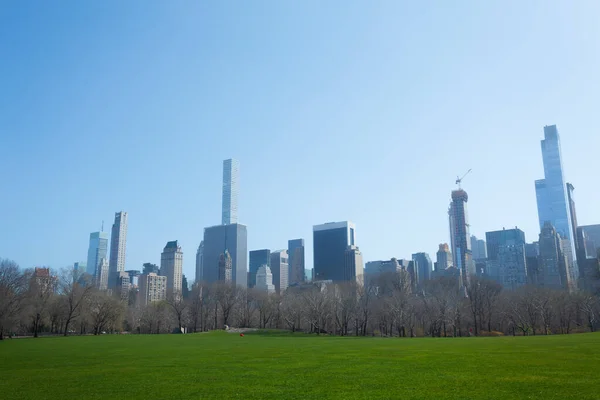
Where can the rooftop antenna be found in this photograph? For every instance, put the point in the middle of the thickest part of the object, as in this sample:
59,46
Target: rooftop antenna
459,180
102,229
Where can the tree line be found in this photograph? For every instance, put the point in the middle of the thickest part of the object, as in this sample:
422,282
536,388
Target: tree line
387,305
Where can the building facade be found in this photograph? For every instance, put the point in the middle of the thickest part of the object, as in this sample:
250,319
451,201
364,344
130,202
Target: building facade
443,258
330,241
229,211
199,260
296,261
551,191
171,266
552,268
97,251
353,265
264,279
118,244
503,237
506,257
258,258
280,270
225,267
590,235
460,237
152,287
102,275
217,239
423,267
478,248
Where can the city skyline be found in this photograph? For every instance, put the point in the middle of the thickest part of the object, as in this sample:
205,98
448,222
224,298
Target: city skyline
312,100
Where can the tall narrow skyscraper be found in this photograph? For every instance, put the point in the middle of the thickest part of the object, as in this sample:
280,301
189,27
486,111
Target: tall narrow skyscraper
330,241
296,261
118,242
231,170
459,235
423,267
199,261
97,251
280,270
551,191
171,266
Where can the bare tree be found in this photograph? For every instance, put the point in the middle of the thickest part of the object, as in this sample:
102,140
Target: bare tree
318,308
105,312
590,306
178,307
13,288
227,298
39,294
76,289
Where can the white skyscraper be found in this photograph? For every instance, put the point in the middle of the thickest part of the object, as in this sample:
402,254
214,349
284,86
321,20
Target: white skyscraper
264,279
118,241
231,169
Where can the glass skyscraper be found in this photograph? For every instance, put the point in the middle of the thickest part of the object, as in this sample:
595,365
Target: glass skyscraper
551,191
229,212
258,258
460,238
296,261
218,240
97,251
330,243
118,242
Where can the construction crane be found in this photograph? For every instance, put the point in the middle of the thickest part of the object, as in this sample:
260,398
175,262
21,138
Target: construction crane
459,180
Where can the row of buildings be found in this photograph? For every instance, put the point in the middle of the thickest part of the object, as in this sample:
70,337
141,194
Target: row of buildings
563,256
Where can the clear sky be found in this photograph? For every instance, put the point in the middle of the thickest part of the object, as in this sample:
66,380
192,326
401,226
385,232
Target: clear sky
339,110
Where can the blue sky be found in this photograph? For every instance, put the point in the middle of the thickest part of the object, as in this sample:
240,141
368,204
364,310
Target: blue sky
353,110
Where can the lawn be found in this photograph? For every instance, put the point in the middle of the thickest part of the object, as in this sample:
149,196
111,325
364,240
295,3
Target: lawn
219,365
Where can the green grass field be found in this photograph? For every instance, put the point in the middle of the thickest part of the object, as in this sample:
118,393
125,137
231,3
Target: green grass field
219,365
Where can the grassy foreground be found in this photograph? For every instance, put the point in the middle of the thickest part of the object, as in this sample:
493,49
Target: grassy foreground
219,365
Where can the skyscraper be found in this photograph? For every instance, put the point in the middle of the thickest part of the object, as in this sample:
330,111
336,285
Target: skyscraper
102,274
118,241
459,235
234,239
171,266
96,251
231,170
280,270
258,258
495,239
590,235
330,241
296,257
353,265
423,266
199,260
506,255
152,288
478,248
552,268
551,191
443,258
264,280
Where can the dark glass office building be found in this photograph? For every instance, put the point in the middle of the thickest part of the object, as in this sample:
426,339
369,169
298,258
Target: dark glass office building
330,243
257,259
296,261
504,237
218,239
